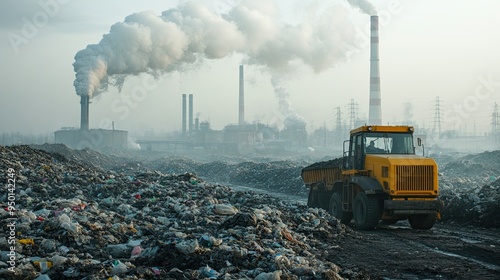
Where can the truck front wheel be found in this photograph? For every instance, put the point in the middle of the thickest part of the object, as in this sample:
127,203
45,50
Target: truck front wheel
422,221
366,211
336,209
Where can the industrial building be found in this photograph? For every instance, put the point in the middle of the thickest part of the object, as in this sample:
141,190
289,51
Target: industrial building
91,138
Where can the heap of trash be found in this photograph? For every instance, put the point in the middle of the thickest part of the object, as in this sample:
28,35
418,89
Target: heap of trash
282,176
72,220
470,190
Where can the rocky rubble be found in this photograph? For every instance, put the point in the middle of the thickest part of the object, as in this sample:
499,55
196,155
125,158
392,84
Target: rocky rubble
77,221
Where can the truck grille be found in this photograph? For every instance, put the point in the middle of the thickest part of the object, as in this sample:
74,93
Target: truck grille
414,178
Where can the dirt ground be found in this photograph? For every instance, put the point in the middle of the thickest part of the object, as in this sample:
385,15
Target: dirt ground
399,252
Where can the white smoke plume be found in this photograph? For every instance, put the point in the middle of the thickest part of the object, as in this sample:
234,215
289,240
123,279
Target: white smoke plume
364,6
182,37
291,119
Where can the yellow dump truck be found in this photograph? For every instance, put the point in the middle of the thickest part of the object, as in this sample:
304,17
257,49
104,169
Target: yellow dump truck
379,178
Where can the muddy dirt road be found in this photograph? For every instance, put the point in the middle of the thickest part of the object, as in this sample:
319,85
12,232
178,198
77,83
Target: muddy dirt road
398,252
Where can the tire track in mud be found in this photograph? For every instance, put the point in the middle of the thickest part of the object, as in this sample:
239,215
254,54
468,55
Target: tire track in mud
478,250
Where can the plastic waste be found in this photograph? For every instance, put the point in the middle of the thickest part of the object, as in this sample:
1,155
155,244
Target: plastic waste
205,241
187,246
136,251
71,272
26,241
156,271
224,209
58,260
43,277
276,275
209,272
43,265
118,267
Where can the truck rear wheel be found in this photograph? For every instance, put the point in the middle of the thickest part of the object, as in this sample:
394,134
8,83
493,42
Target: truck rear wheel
366,211
422,221
336,209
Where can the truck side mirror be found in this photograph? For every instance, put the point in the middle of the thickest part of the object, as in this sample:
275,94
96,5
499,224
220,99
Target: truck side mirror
419,143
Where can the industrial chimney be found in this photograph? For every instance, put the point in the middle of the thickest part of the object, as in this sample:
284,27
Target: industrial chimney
241,116
190,113
375,111
183,114
84,121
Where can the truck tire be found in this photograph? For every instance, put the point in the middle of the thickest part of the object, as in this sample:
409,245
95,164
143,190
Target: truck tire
366,211
422,221
335,209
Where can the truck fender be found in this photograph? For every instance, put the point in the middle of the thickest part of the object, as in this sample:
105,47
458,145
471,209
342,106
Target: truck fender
337,187
369,185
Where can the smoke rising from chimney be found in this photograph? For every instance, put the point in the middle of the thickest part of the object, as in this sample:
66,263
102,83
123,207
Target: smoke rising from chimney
364,6
182,37
291,119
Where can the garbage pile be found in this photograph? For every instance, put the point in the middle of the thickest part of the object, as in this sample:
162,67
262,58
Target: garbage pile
276,176
470,190
76,221
337,162
87,156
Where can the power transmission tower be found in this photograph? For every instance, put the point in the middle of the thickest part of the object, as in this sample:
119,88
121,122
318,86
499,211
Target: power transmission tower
338,119
437,118
353,113
339,132
495,125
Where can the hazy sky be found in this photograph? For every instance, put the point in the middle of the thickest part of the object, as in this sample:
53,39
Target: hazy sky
428,49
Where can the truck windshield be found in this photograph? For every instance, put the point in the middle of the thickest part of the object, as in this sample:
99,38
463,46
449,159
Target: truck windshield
388,143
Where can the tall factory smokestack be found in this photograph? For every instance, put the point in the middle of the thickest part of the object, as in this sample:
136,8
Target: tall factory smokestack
190,113
84,121
183,114
241,117
375,112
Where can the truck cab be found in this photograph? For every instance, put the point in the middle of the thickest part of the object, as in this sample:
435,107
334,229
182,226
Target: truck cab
377,140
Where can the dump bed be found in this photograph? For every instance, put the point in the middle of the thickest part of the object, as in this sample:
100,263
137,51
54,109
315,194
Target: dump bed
327,172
